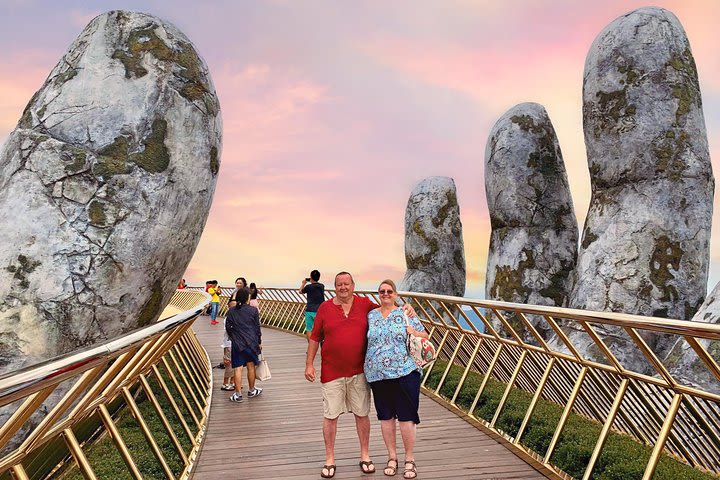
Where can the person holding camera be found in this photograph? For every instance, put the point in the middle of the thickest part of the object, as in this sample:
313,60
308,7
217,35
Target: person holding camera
315,292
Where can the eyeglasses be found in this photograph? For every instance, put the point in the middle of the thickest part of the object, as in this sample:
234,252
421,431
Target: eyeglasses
386,292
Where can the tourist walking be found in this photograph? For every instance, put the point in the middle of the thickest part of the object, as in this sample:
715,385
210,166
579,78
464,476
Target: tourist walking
315,292
393,376
243,327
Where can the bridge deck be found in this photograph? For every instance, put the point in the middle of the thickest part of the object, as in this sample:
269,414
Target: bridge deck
279,434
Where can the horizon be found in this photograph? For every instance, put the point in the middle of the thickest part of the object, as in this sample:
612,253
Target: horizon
333,113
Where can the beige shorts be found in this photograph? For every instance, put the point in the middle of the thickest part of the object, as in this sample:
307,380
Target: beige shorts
229,371
346,394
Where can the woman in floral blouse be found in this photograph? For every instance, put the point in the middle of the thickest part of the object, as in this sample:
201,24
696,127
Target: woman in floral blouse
393,376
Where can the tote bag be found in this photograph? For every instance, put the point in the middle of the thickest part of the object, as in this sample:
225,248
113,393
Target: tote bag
262,371
421,350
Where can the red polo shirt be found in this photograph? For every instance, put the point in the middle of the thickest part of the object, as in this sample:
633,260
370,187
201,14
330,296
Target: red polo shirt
344,338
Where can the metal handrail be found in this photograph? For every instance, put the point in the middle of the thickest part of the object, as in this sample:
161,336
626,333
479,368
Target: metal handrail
106,379
655,409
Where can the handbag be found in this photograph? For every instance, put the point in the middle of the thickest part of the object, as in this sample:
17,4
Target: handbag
262,370
421,350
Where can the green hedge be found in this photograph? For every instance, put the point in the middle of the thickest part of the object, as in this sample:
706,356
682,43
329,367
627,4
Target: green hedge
622,458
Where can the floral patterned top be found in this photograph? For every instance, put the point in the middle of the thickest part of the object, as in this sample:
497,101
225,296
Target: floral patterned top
387,355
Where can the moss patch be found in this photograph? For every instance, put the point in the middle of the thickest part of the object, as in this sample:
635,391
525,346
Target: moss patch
445,209
687,91
214,161
96,213
112,160
153,306
509,282
155,157
613,106
666,254
74,159
194,84
668,150
417,262
22,268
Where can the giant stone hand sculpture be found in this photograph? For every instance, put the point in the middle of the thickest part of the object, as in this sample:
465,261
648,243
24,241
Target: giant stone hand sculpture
105,187
645,246
434,250
533,244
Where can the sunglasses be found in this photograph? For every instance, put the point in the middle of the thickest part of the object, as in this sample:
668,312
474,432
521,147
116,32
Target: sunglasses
386,292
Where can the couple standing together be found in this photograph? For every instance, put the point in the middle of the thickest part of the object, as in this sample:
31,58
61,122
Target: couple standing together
364,342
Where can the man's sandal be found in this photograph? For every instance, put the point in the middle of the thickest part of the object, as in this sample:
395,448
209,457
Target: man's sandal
410,472
393,470
330,469
367,466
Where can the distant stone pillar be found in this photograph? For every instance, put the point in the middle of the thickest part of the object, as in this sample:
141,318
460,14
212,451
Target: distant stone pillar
533,244
645,245
434,250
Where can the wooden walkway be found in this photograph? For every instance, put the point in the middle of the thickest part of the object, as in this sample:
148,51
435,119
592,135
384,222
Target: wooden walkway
279,434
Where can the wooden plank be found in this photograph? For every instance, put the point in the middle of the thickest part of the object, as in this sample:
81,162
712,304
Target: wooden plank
279,433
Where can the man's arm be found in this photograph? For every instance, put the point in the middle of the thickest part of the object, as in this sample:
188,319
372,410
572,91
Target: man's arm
309,361
302,286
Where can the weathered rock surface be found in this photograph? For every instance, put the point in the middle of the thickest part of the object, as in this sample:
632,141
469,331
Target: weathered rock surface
682,361
105,187
434,250
645,245
533,244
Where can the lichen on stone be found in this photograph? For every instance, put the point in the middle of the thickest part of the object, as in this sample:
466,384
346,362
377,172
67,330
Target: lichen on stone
190,72
214,162
450,204
96,213
153,306
155,157
666,254
24,266
417,262
112,160
508,282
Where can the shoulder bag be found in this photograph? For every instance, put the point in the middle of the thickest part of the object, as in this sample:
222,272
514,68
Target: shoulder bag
421,350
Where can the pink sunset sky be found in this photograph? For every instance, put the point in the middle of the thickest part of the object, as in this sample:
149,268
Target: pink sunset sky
334,111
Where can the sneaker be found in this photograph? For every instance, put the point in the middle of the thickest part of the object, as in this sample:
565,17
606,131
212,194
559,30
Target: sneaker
214,322
255,392
236,397
228,387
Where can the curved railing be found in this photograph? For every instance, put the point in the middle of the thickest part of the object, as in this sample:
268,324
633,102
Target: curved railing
489,373
64,406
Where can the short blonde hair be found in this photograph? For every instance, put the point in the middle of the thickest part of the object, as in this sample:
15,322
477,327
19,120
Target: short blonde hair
387,281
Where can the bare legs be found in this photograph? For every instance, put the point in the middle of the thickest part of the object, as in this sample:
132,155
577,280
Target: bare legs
407,432
251,375
362,424
238,379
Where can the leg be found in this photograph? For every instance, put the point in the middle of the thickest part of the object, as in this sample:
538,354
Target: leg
329,434
251,375
407,431
362,424
389,434
238,379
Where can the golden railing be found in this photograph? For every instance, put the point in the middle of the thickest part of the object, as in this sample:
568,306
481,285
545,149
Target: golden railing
63,406
656,410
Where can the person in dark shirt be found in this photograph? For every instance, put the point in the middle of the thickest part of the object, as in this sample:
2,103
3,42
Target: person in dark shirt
242,325
315,292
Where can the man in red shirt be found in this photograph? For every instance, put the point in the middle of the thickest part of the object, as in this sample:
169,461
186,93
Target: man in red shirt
341,324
